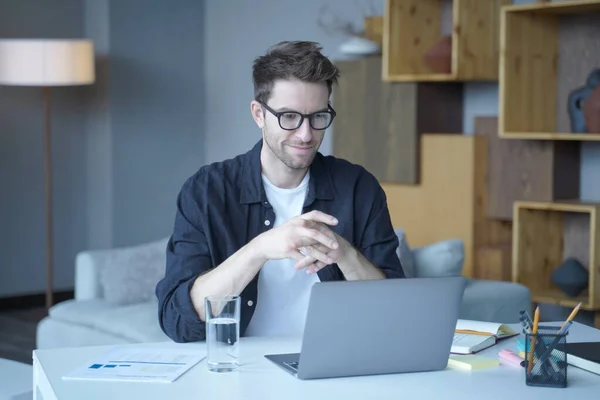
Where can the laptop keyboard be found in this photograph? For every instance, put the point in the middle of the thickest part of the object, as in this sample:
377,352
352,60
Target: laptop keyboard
292,364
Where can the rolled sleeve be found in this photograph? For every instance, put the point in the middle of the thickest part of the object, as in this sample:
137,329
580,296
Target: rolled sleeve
188,256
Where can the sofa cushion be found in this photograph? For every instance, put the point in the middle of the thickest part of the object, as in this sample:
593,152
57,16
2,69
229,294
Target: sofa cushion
439,259
136,322
497,301
131,273
405,254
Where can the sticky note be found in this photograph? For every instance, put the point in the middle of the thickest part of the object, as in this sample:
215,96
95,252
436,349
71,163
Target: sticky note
472,362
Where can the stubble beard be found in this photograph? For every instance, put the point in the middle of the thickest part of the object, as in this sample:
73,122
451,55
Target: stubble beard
287,159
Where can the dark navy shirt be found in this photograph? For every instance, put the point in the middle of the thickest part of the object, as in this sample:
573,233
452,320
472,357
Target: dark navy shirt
223,206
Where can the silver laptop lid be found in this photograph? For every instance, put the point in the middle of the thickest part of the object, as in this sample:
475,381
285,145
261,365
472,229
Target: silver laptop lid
380,326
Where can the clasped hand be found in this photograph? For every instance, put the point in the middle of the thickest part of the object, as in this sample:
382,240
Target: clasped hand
307,239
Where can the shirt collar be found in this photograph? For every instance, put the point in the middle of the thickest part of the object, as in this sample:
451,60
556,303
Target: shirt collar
252,190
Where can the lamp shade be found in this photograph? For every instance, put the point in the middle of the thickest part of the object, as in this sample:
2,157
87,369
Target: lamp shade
46,62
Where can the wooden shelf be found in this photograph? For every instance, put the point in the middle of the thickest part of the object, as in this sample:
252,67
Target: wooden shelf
557,7
412,27
550,136
545,53
544,235
558,298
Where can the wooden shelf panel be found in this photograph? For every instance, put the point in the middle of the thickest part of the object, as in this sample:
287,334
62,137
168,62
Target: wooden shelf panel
557,7
412,27
379,124
527,170
562,206
421,78
450,199
547,50
550,136
554,296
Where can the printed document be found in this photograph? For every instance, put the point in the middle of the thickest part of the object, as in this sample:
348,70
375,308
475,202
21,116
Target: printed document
138,365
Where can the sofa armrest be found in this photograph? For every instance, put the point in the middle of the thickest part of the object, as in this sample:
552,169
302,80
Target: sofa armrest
88,266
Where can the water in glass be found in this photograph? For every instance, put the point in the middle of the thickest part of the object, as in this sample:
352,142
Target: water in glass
222,343
222,333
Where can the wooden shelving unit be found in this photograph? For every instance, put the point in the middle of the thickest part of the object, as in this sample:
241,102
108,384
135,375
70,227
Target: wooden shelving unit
531,90
412,27
541,243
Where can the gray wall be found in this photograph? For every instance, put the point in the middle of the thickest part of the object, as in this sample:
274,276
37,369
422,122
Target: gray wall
22,226
156,108
122,147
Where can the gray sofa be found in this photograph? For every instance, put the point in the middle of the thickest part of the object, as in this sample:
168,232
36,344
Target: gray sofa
114,294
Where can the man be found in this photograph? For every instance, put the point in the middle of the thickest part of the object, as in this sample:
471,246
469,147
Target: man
270,223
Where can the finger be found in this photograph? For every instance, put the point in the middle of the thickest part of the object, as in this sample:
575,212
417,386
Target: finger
316,255
315,267
319,216
311,264
314,236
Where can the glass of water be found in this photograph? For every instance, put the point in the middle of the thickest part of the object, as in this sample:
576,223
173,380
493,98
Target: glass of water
222,332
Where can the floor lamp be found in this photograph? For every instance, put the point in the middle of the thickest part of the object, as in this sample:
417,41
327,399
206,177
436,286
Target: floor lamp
46,63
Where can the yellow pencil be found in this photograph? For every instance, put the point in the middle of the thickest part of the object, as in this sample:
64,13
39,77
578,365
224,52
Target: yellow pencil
571,316
536,320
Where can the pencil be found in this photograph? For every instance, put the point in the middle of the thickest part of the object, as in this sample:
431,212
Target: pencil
536,320
571,316
473,332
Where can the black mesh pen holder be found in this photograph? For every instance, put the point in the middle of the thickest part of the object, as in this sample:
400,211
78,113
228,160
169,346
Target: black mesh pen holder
546,365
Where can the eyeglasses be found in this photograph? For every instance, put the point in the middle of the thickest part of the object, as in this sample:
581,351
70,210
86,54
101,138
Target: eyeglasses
291,120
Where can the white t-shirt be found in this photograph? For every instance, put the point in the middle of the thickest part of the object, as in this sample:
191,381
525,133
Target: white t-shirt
283,291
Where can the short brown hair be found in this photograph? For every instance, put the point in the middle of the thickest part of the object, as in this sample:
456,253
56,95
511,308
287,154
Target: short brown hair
301,60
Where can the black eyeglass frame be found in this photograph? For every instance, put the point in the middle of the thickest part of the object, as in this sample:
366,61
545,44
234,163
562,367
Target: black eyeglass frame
278,114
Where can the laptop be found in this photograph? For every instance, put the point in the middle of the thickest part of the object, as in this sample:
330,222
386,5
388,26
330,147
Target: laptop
370,327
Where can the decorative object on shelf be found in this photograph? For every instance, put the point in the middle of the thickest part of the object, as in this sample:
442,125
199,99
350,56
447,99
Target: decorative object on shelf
46,63
591,110
571,277
359,46
584,105
439,57
361,42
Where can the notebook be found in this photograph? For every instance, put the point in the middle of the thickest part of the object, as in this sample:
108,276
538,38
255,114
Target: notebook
500,331
474,336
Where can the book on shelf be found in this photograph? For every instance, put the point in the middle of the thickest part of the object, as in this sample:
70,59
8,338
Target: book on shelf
474,336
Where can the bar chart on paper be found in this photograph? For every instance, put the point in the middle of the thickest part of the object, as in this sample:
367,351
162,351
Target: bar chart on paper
138,365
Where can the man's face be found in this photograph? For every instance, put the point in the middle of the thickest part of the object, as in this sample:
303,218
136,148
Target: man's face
294,148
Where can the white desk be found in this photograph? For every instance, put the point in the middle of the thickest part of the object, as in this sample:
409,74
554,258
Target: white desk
258,378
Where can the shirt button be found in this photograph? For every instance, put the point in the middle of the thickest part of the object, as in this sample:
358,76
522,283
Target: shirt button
267,222
250,303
